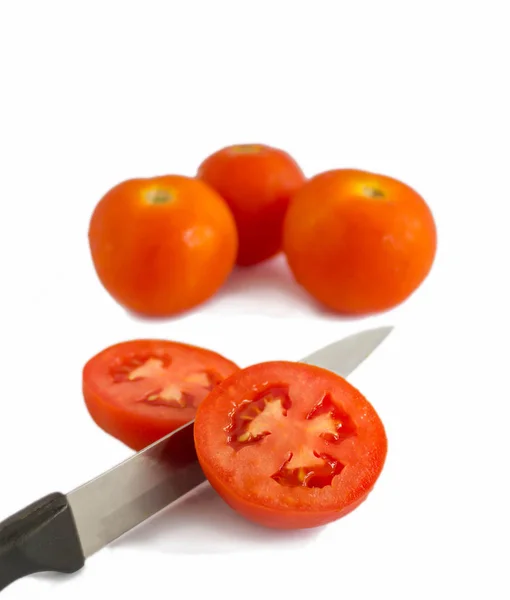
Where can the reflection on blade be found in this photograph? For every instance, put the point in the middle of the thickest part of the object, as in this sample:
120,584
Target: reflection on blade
115,502
344,356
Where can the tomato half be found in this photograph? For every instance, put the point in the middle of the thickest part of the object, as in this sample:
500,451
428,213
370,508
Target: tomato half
257,182
139,391
289,445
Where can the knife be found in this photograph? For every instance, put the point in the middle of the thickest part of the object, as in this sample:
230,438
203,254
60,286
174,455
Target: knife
58,532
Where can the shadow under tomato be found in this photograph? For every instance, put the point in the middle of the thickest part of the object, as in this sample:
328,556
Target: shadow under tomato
268,289
201,523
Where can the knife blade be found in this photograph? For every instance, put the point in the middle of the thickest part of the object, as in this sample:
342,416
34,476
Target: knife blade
58,532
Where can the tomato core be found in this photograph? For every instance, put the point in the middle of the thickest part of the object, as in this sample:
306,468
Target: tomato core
301,441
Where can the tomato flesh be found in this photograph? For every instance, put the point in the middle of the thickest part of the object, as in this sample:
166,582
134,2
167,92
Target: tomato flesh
309,465
289,445
167,384
139,391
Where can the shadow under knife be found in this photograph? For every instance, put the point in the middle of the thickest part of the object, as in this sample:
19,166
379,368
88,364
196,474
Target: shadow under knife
202,523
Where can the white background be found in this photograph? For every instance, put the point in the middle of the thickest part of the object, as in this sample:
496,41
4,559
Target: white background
92,93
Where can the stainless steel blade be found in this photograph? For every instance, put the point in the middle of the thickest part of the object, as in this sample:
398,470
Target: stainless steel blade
123,497
344,356
135,490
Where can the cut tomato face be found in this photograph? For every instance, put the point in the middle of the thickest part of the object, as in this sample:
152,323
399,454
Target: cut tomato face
289,445
141,390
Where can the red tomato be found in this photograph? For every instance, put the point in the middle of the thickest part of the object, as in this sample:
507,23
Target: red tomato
141,390
162,245
360,243
257,182
289,445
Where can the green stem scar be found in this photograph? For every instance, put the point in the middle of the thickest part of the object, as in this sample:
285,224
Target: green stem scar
159,196
246,149
372,192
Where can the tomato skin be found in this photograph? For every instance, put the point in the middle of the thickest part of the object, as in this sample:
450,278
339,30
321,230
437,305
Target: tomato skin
241,478
359,242
162,245
114,408
268,517
257,181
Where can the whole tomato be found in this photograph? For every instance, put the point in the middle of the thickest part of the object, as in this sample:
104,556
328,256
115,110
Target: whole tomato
359,242
162,245
257,182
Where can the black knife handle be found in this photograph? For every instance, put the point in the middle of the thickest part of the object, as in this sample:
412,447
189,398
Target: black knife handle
41,537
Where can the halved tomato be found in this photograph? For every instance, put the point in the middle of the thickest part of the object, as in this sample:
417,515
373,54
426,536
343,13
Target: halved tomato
289,445
139,391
